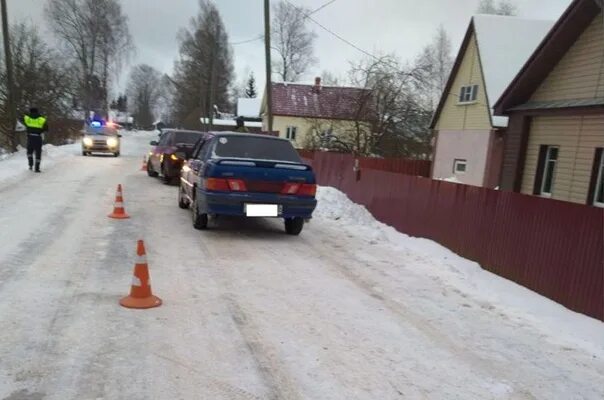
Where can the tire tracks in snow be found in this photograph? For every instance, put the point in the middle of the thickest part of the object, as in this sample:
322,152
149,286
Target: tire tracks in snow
273,371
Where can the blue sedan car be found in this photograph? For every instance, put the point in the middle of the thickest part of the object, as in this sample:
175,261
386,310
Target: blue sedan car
240,174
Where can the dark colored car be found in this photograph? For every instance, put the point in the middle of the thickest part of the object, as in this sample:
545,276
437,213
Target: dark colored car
249,176
170,152
101,139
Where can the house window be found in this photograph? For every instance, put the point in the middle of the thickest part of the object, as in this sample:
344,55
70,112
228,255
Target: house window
468,94
291,133
460,166
546,170
598,185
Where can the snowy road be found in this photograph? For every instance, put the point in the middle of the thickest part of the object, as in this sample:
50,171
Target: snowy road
349,310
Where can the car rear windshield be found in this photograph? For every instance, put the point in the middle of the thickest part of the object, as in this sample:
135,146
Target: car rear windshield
255,148
186,137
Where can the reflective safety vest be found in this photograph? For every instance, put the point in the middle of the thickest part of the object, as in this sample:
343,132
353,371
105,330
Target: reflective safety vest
35,123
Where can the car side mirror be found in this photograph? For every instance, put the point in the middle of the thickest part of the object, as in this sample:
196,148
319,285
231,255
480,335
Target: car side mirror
181,155
154,143
118,135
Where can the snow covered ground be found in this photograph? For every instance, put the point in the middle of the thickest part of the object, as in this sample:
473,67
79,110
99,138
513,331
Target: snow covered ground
351,309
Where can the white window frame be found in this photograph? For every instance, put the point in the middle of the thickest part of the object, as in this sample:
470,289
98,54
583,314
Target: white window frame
599,183
468,94
457,162
546,163
288,133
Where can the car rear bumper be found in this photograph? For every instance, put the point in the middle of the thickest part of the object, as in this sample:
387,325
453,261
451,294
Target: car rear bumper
214,203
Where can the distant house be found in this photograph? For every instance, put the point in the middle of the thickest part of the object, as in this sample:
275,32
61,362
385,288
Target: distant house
469,145
555,141
303,113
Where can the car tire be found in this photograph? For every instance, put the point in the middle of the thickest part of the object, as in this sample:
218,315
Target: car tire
200,221
182,202
84,153
293,226
116,154
164,176
150,171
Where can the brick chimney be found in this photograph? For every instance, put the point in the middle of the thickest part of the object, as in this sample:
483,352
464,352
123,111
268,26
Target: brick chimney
317,87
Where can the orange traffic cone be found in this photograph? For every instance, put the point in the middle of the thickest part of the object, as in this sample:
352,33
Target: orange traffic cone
118,207
144,166
140,291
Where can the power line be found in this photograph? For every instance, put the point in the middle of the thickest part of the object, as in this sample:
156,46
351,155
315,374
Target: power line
332,32
261,36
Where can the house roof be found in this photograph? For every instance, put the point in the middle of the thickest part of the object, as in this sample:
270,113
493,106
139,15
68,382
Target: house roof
330,102
578,16
249,107
504,45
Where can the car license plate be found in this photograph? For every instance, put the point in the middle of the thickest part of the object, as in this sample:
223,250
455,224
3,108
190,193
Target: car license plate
261,210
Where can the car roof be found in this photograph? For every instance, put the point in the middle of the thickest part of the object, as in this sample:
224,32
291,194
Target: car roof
183,131
243,134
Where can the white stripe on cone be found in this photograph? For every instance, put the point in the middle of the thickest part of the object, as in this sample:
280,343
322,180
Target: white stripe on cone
141,259
119,204
136,281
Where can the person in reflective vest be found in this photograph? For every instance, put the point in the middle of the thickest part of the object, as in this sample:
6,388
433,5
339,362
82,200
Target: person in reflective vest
36,125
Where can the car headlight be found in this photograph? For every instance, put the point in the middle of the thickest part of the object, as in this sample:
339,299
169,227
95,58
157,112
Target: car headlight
87,141
112,142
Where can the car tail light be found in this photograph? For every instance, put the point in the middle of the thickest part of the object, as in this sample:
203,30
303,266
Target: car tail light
300,189
237,185
308,190
290,188
219,185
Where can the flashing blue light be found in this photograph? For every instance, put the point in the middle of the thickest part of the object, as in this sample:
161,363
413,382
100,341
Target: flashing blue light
96,124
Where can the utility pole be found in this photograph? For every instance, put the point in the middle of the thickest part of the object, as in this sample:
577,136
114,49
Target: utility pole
267,49
10,106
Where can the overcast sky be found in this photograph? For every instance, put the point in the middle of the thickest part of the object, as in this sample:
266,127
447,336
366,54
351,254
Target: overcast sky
403,27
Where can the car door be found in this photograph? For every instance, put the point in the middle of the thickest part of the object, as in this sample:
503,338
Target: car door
197,164
160,150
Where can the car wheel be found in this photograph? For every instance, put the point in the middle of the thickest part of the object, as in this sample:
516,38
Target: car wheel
293,226
116,154
200,221
182,202
84,153
164,176
150,171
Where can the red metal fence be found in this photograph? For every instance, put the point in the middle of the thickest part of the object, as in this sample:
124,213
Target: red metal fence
398,165
554,248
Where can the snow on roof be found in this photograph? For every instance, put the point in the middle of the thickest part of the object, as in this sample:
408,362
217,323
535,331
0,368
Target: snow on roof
505,44
249,107
230,122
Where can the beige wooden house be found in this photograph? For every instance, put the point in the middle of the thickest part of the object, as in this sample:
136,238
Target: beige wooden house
555,139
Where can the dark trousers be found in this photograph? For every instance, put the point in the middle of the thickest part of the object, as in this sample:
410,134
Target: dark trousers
34,146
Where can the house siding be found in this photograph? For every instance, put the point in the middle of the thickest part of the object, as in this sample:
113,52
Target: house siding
577,137
474,116
305,127
580,73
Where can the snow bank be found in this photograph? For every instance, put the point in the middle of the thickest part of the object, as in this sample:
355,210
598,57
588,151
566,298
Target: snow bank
560,324
13,166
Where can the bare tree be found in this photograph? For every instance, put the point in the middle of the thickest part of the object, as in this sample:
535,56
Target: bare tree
95,35
292,40
388,116
144,91
204,71
503,7
41,80
435,63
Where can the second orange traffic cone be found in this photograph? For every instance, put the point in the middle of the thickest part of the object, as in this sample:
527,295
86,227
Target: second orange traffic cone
118,207
144,166
140,291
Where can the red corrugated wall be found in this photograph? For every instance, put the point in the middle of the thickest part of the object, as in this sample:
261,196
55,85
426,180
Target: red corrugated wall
554,248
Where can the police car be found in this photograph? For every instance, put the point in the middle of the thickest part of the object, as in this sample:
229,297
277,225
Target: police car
101,137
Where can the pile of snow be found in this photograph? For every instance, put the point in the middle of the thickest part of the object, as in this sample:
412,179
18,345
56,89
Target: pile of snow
560,324
14,165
